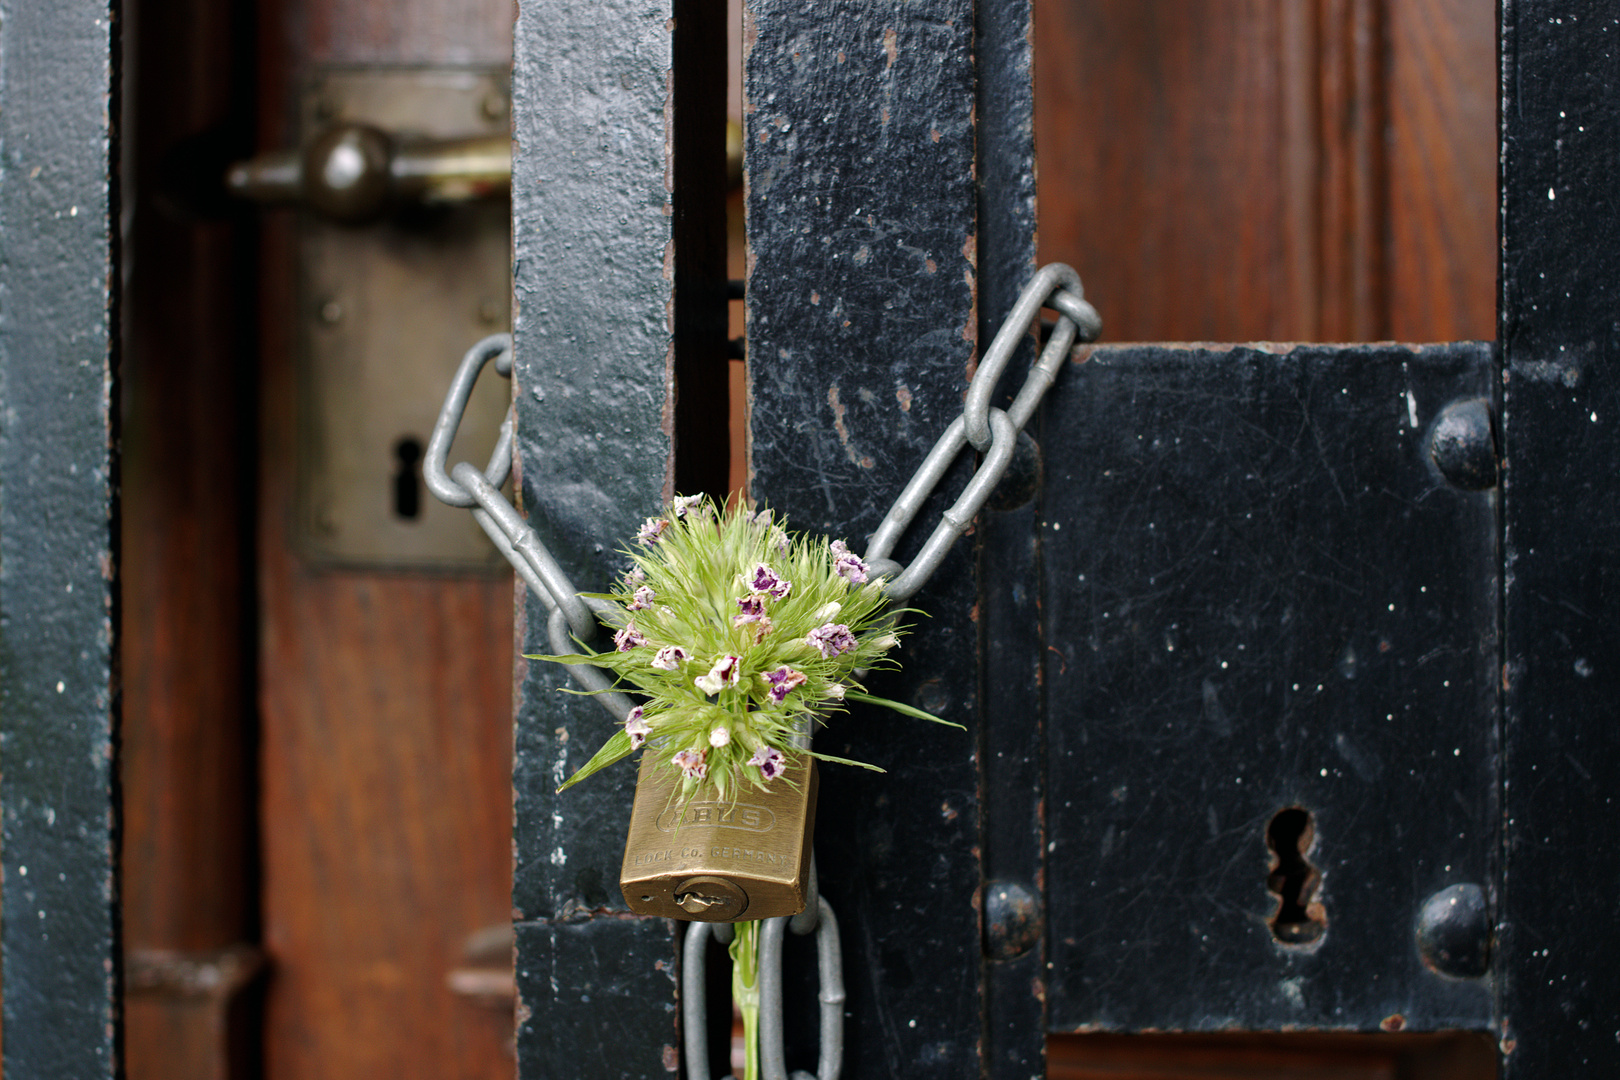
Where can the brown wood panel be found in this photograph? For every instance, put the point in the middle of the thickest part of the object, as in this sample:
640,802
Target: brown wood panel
187,658
1176,143
386,698
1442,170
1272,1056
1271,169
189,887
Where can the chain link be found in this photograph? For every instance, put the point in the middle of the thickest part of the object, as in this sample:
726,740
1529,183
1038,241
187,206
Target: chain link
817,918
988,430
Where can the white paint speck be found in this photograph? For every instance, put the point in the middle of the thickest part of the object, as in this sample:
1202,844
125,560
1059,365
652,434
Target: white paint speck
1056,526
60,686
73,211
1324,772
23,870
1551,194
1594,418
1411,409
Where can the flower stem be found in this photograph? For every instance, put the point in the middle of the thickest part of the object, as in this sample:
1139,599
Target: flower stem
745,990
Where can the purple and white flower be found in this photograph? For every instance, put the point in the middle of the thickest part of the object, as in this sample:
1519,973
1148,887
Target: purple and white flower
642,599
651,530
724,673
636,727
628,637
682,505
769,582
669,658
753,609
831,638
847,564
692,764
783,681
835,691
762,628
635,576
720,736
770,760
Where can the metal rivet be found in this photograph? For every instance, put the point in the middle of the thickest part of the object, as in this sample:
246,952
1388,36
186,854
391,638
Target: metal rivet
1012,919
331,312
495,106
1454,932
1463,446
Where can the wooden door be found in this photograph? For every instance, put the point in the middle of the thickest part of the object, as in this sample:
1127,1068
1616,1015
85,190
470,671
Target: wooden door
1217,172
384,697
317,767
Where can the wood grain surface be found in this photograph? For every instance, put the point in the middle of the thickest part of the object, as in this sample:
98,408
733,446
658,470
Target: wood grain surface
1269,169
386,699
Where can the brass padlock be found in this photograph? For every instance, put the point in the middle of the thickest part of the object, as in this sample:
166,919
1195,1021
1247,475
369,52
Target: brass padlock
720,861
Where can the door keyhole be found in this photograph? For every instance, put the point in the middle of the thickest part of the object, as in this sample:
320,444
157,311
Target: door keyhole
408,479
1300,917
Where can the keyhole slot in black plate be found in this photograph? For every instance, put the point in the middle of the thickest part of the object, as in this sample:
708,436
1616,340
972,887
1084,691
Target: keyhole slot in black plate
1300,917
408,478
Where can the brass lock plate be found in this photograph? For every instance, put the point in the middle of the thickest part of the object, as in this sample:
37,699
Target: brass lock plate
385,312
720,861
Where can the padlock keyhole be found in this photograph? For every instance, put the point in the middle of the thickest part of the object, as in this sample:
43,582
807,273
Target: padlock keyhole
1300,917
408,478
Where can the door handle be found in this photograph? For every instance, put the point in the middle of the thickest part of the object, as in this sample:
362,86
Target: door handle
357,173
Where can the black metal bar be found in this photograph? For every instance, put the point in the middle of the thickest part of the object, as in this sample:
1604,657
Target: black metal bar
58,561
862,322
1012,756
593,221
1270,621
1560,987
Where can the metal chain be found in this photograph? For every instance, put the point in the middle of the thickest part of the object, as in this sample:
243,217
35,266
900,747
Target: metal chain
817,918
991,431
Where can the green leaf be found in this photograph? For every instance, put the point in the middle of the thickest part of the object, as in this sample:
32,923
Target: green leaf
616,749
900,707
594,660
843,761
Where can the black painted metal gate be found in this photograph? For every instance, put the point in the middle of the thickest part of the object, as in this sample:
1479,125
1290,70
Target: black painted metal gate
1276,701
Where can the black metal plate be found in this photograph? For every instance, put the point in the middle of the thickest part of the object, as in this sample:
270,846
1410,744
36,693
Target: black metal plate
1560,295
1259,593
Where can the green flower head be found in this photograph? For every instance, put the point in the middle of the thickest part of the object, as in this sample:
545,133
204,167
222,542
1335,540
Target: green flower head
740,637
